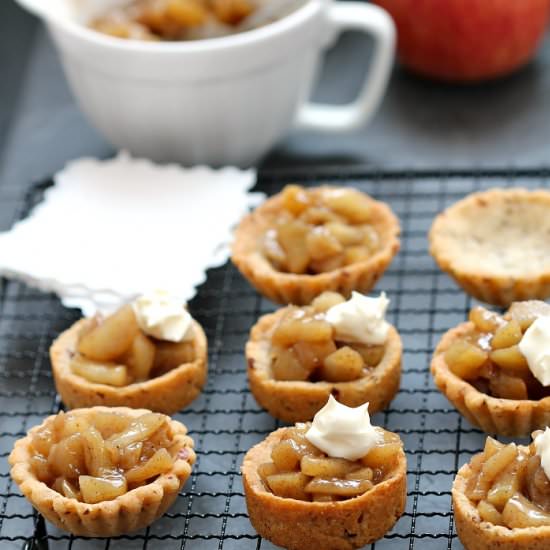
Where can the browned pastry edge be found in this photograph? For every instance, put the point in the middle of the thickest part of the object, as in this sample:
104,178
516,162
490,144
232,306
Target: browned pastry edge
298,401
132,511
492,414
493,289
290,288
300,525
168,393
476,534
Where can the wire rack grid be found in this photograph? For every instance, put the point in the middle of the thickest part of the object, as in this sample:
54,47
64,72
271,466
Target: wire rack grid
225,421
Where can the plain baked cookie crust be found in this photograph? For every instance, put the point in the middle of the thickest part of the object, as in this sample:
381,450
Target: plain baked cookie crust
476,534
508,417
300,525
298,401
129,512
168,393
290,288
496,244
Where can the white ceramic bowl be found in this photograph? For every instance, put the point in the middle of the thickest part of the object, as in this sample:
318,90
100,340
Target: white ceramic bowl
217,101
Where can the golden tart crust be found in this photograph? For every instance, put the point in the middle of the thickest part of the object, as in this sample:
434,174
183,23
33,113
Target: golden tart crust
129,512
301,525
476,534
290,288
168,393
298,401
508,417
495,244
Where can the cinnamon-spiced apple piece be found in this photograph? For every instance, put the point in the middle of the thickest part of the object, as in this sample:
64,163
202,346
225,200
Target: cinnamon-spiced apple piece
150,353
304,241
338,483
298,356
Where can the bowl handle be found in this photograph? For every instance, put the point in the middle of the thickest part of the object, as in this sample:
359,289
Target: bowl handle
376,22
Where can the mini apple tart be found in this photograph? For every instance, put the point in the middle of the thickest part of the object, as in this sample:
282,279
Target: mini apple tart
338,483
147,354
496,369
495,244
298,356
302,242
501,499
103,472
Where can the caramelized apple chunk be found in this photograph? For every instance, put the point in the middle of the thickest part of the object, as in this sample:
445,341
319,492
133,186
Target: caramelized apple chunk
111,337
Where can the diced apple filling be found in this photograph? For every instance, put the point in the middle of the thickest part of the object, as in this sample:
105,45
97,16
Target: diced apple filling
321,230
114,351
301,471
508,486
489,357
304,346
101,455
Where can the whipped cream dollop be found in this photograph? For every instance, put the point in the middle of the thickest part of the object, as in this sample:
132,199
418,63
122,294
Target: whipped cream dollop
535,347
361,319
343,432
163,316
542,447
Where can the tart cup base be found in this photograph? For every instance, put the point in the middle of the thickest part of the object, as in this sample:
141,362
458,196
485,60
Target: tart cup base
482,271
299,525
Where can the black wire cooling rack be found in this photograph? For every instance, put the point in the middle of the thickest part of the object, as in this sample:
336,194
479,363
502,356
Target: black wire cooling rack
210,512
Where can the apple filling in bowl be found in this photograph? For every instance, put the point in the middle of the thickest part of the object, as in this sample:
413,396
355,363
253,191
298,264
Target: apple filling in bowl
303,346
170,19
509,486
301,471
116,352
488,357
98,455
321,230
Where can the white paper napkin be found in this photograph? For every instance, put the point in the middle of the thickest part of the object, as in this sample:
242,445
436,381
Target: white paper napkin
110,230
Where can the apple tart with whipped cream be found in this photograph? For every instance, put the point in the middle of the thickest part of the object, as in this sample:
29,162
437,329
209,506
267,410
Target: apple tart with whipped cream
150,354
337,483
496,369
298,356
501,498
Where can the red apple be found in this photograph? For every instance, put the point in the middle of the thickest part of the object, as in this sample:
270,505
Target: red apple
467,40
